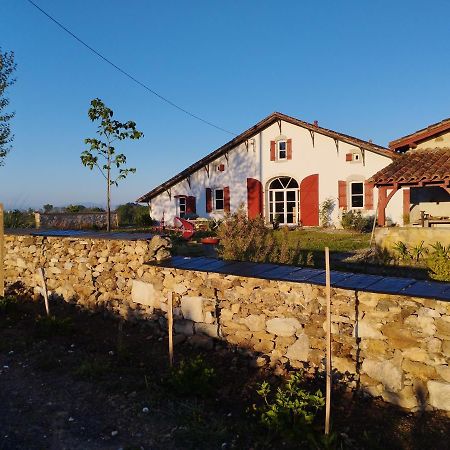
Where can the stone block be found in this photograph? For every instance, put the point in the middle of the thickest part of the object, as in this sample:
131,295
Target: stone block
207,329
143,293
255,323
439,395
367,330
286,326
184,327
343,365
201,341
418,369
444,372
385,372
299,350
406,398
192,308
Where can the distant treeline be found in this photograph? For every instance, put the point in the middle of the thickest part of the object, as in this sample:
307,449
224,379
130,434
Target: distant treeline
130,215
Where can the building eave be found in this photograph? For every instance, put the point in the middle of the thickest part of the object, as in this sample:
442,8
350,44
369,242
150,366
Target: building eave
260,126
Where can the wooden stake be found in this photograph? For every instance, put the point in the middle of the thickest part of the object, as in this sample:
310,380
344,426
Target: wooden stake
328,389
170,326
2,254
44,290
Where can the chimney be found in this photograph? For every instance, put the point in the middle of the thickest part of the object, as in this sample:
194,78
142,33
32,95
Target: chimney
316,123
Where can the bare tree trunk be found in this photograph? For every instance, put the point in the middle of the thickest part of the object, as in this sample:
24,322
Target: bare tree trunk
108,200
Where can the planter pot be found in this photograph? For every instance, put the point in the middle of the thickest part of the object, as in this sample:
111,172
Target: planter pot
210,240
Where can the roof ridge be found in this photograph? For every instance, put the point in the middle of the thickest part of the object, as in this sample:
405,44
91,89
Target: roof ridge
262,124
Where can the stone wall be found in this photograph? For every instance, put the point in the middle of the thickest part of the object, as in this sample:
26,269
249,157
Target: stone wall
75,221
390,346
412,236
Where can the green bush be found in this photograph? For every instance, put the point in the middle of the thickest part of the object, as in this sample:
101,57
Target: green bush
192,377
8,304
243,239
326,209
47,326
19,219
438,262
132,214
291,410
354,220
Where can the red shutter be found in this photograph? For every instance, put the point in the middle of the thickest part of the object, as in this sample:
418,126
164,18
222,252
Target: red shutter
349,157
221,167
368,195
208,200
226,199
289,149
254,198
190,205
272,150
342,194
406,203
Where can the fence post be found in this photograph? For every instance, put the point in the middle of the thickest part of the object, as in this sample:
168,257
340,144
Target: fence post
328,326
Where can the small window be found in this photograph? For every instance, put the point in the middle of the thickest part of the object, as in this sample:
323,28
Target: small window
356,157
282,149
218,200
181,206
357,194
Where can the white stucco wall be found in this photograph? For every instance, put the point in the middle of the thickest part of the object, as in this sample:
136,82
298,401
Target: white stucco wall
241,164
323,158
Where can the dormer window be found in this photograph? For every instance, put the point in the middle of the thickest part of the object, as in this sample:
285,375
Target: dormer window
282,150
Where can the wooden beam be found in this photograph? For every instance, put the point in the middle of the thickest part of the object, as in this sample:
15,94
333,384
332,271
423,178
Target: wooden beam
207,169
169,193
279,124
311,132
336,143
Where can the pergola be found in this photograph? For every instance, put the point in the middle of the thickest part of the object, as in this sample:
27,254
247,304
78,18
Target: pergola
415,168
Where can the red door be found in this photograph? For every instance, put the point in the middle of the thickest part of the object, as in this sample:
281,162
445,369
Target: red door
309,201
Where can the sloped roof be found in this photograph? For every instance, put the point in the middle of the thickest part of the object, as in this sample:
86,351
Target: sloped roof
421,166
269,120
421,135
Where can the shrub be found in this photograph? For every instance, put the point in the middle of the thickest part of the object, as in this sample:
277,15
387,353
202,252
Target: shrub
438,262
354,220
47,326
192,377
244,239
19,219
8,304
132,214
326,209
291,410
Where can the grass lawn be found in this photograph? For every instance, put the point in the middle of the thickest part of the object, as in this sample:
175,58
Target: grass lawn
315,240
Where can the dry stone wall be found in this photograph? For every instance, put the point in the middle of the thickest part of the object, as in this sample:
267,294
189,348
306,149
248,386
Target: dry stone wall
390,346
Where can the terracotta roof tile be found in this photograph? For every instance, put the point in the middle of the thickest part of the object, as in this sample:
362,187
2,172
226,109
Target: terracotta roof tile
425,165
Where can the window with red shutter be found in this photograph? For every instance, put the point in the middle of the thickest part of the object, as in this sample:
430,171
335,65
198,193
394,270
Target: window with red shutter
226,199
368,196
208,200
342,192
272,150
190,205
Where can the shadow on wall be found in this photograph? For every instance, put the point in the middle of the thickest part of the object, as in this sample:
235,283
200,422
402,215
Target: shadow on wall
366,422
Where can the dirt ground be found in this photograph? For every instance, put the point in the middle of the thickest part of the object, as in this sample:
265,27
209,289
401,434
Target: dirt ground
80,384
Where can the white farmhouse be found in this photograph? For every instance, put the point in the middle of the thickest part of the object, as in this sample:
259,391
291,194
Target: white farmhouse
281,168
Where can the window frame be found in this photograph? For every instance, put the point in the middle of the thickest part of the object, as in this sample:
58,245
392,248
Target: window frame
215,199
278,150
362,195
179,205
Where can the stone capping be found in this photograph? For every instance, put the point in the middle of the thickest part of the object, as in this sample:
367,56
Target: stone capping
345,280
80,234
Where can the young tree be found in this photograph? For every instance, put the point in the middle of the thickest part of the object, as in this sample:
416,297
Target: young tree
102,153
7,68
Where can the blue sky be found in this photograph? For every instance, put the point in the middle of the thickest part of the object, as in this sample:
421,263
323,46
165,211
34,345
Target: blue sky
376,70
